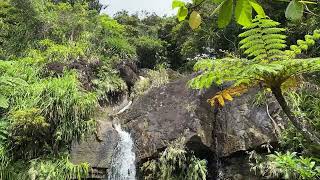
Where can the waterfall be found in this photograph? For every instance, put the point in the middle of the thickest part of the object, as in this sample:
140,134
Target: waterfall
123,162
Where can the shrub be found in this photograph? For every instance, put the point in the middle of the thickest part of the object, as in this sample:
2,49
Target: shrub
64,106
154,78
28,131
149,51
287,165
175,163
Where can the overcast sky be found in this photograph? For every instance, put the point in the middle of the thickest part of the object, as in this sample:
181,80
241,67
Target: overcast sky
160,7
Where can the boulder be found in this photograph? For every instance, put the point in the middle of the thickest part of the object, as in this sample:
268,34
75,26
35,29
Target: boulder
167,113
97,150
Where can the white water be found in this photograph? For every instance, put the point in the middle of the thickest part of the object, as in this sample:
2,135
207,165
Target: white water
123,162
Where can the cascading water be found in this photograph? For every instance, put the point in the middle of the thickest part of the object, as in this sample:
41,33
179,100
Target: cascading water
123,162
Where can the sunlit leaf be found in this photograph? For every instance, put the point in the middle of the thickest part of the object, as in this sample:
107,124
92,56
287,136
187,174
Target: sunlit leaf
182,13
294,10
177,4
225,13
227,96
243,12
195,20
257,7
220,100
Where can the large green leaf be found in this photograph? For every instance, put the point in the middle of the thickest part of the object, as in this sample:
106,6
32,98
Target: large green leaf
194,20
177,3
294,10
243,12
225,13
182,13
257,7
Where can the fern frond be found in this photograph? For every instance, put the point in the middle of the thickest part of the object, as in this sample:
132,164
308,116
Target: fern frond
303,45
263,40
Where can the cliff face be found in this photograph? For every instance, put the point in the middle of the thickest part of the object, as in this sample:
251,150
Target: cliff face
167,113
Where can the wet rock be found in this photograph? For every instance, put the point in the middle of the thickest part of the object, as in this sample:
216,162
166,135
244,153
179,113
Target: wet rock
97,150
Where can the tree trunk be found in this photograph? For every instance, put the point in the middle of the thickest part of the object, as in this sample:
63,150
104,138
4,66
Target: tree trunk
304,129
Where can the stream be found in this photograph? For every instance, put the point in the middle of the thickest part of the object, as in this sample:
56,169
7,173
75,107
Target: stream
123,162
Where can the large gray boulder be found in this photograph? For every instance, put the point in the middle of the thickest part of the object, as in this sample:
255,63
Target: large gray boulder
174,110
167,113
97,150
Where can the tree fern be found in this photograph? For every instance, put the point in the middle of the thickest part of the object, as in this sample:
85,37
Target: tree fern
303,45
271,67
263,40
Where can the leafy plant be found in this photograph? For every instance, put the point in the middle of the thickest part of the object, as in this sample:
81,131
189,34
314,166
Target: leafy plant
175,163
28,131
286,165
242,11
263,40
269,73
61,168
149,51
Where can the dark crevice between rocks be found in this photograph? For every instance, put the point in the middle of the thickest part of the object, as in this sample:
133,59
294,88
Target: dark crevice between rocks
201,151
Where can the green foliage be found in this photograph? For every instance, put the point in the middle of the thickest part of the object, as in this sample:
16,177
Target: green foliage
57,61
61,168
7,84
175,163
269,73
286,165
242,11
304,45
28,129
294,10
51,167
154,78
241,71
108,82
149,51
158,77
263,40
305,103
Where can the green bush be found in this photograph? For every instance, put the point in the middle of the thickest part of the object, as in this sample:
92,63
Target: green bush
175,163
28,132
287,165
149,51
63,104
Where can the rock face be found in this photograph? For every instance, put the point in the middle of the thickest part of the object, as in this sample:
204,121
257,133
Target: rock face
165,114
97,150
172,111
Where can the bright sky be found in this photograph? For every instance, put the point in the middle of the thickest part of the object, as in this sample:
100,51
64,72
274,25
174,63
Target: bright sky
160,7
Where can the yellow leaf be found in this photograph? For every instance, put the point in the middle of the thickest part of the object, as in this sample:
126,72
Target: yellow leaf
220,100
227,96
212,102
194,20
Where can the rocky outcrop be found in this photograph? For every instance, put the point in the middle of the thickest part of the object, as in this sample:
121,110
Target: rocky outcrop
97,150
172,111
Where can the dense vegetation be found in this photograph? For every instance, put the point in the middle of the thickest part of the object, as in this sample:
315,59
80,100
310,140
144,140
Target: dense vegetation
59,63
